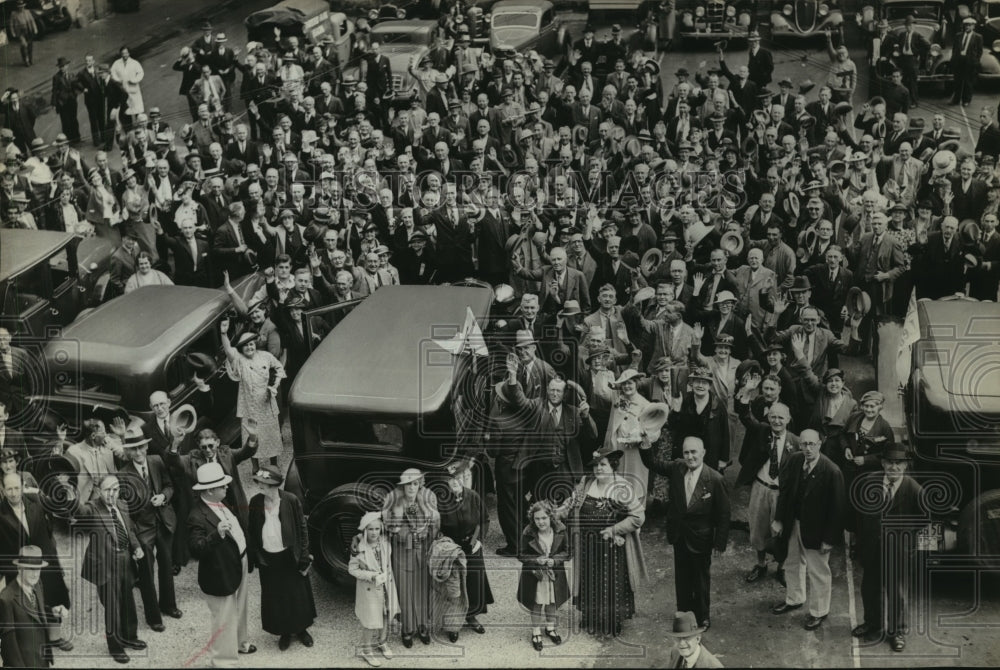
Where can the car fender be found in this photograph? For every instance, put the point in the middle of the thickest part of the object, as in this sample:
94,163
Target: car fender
834,18
778,20
334,520
989,64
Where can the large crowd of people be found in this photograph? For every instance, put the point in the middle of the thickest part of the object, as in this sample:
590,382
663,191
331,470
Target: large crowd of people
684,259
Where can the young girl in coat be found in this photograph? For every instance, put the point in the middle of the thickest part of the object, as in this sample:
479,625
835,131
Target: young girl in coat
375,602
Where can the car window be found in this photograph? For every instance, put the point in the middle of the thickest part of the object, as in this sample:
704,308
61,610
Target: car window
546,18
388,38
28,290
928,12
515,20
59,266
86,383
179,371
343,428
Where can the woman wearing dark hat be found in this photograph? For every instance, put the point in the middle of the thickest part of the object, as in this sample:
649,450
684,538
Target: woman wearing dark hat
604,515
412,522
462,519
865,436
258,374
279,540
542,586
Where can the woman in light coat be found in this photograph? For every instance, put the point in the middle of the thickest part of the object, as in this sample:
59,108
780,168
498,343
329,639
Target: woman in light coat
375,600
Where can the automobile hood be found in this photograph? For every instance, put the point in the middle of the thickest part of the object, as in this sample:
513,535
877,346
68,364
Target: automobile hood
400,57
930,30
963,377
511,35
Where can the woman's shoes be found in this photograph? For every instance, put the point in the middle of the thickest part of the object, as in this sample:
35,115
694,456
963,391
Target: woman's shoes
284,641
453,637
371,659
474,624
424,635
553,635
536,642
386,652
407,640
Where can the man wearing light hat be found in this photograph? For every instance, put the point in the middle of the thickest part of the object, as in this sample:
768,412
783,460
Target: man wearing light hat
689,653
965,56
218,541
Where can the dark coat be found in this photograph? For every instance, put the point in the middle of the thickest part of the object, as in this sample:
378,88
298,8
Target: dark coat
149,519
562,444
817,500
220,569
712,426
756,449
294,533
185,272
13,536
23,640
872,519
704,524
99,564
229,459
529,551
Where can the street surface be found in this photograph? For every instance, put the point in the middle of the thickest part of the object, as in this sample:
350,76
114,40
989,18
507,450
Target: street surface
955,626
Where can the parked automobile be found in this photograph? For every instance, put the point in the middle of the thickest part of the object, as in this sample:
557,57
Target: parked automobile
47,278
305,19
111,359
520,25
930,20
715,20
988,14
379,396
952,409
402,42
806,18
49,14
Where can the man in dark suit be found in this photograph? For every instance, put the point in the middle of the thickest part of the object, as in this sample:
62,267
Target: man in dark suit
940,268
969,191
241,147
985,277
759,61
965,56
988,143
454,239
492,233
25,615
64,94
108,563
877,263
152,511
831,281
218,541
560,283
741,86
587,115
12,440
697,522
88,81
229,250
810,514
887,563
192,264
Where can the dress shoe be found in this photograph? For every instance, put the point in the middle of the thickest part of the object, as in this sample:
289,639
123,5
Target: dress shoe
306,639
407,641
386,652
897,642
536,642
157,627
174,613
134,644
177,570
554,636
706,624
780,576
424,636
784,608
63,644
864,630
120,656
284,642
453,637
249,650
371,660
757,572
474,624
507,551
814,622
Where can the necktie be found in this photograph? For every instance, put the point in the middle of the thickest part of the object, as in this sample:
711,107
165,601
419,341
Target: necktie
194,254
29,592
553,413
144,473
772,468
887,494
681,663
120,530
833,276
689,486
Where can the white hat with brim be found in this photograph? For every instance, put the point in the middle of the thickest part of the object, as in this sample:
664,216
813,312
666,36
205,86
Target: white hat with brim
211,476
410,475
628,375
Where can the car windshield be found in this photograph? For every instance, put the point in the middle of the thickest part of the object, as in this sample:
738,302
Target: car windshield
920,11
391,39
511,20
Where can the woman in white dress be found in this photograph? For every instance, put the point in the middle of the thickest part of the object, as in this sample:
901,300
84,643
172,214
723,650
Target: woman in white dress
625,432
258,374
145,275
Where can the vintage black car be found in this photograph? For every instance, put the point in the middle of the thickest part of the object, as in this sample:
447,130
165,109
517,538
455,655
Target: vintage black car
380,395
714,20
952,408
49,14
806,18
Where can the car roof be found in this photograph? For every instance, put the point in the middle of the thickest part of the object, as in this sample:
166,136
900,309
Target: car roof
521,5
135,332
380,359
963,336
23,249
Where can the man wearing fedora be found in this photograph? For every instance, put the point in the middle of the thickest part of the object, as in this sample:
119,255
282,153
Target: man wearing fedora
688,651
939,265
24,614
64,94
20,118
219,542
884,560
155,521
698,515
110,561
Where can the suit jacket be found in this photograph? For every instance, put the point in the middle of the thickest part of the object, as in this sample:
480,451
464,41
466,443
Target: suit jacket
591,120
968,204
561,444
491,236
872,519
13,536
761,65
573,287
705,660
748,291
454,241
974,52
712,426
16,382
825,342
224,254
220,565
102,559
186,273
988,143
704,523
938,272
830,296
888,258
23,639
756,451
816,500
294,533
87,480
150,520
229,459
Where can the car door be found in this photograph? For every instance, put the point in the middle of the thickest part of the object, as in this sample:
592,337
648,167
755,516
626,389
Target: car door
215,402
546,43
27,308
63,273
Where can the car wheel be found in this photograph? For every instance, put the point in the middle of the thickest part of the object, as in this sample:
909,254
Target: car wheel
945,69
333,523
979,527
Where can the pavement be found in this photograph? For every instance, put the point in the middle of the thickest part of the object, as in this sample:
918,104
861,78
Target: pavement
953,624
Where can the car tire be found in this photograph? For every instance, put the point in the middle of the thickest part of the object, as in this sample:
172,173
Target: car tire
982,541
333,523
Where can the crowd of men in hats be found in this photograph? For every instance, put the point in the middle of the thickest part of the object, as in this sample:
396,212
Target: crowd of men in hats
729,240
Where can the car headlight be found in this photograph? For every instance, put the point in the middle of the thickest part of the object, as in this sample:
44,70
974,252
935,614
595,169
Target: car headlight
824,10
730,11
787,10
699,11
935,50
996,46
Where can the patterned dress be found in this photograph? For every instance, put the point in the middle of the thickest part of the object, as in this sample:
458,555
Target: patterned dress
625,433
605,599
255,400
